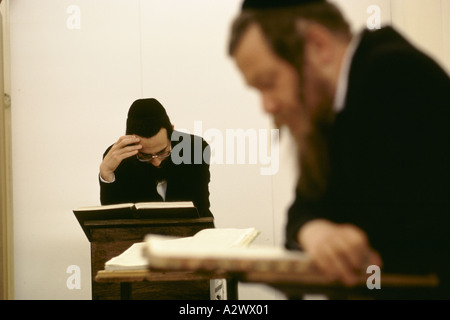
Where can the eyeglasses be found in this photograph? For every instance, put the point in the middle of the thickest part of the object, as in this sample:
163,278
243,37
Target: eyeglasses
149,157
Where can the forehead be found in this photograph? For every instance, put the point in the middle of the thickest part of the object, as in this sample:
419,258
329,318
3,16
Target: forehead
156,143
254,56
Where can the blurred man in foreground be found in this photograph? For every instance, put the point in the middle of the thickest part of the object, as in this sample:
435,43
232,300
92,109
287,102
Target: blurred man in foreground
371,117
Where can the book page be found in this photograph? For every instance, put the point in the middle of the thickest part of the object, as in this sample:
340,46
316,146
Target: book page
140,205
204,242
225,237
131,259
164,205
106,207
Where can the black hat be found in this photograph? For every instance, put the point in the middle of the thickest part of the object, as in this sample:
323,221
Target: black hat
274,4
145,108
146,117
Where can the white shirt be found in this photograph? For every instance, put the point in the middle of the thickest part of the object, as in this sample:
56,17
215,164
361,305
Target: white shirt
161,188
342,84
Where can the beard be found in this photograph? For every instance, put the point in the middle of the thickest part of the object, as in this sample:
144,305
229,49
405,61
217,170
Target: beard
313,139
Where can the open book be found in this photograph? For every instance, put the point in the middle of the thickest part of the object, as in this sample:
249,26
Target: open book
186,254
217,239
149,210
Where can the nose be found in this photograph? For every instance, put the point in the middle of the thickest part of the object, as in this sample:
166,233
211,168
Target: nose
269,104
156,162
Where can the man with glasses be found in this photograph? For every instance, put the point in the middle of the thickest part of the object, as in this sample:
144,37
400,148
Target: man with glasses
139,167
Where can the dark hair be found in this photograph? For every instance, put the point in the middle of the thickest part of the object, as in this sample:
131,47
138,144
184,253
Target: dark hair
280,27
147,117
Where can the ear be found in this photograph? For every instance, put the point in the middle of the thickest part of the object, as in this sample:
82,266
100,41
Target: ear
319,44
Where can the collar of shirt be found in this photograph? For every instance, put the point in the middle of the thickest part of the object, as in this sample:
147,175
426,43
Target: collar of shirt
342,85
161,188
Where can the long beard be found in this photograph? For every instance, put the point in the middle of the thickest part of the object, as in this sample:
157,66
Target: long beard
313,151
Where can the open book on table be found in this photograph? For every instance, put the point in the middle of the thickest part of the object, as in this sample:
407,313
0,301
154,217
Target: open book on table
206,240
165,253
149,210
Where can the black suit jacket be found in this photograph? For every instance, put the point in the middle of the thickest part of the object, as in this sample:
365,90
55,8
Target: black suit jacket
390,157
136,181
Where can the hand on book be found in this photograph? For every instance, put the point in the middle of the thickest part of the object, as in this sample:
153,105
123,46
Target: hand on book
340,251
125,147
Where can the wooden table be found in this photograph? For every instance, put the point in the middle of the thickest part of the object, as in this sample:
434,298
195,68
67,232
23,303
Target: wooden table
293,285
393,286
126,279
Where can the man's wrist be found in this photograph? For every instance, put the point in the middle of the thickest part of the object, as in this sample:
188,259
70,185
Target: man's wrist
109,179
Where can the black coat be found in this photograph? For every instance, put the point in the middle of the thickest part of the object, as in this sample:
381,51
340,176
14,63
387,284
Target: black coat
390,157
136,181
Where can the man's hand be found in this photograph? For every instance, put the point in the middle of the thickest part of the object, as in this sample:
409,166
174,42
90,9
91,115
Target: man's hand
125,147
340,251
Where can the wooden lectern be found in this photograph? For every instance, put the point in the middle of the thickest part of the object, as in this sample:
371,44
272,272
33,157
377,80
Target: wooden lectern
111,237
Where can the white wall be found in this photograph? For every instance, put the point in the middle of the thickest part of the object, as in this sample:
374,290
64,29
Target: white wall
71,90
426,24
